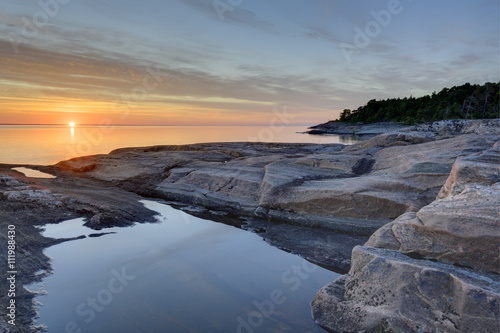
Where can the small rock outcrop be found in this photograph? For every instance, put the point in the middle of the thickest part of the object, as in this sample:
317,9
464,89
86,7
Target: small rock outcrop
336,127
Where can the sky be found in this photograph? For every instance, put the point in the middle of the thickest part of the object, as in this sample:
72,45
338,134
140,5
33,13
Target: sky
234,62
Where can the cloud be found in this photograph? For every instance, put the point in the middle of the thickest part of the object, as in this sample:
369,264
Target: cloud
235,15
323,35
57,74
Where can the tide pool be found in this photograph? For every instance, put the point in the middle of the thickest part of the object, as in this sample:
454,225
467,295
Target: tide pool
182,274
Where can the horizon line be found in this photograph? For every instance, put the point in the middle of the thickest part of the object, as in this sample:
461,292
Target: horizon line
196,125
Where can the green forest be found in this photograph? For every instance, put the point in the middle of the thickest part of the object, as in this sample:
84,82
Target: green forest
468,101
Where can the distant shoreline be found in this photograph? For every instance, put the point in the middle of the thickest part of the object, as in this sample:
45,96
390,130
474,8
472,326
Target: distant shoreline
358,129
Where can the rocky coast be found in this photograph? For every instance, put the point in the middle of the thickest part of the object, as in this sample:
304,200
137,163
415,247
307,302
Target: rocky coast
410,216
356,129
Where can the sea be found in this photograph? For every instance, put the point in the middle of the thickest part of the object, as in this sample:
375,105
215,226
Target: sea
49,144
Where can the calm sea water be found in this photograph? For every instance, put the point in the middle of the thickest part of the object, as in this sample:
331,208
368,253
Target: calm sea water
183,274
45,145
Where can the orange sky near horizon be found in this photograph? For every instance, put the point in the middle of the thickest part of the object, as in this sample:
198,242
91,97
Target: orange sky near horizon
95,112
45,109
139,107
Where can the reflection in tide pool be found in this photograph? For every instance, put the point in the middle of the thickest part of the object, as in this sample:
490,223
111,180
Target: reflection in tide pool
71,229
33,173
183,274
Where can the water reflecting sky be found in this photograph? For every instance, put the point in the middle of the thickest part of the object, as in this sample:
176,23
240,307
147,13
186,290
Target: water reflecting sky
184,274
50,144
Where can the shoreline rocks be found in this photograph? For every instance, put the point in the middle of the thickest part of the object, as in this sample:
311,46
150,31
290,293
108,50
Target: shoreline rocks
354,189
28,203
318,201
358,129
434,270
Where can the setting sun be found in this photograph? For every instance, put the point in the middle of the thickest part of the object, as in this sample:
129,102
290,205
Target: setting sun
72,124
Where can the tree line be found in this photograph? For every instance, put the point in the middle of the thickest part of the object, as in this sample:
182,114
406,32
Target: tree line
468,101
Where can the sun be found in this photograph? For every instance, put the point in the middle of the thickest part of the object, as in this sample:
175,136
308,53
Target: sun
71,124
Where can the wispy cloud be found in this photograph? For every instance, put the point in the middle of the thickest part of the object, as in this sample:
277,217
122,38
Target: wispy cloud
65,75
236,15
323,35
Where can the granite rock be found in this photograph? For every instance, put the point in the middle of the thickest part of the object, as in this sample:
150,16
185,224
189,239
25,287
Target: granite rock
387,291
435,269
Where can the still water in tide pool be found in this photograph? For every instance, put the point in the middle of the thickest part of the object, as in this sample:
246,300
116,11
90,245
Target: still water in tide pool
45,145
182,274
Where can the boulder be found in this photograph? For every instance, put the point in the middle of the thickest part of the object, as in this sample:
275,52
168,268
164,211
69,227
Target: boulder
386,290
461,230
481,168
